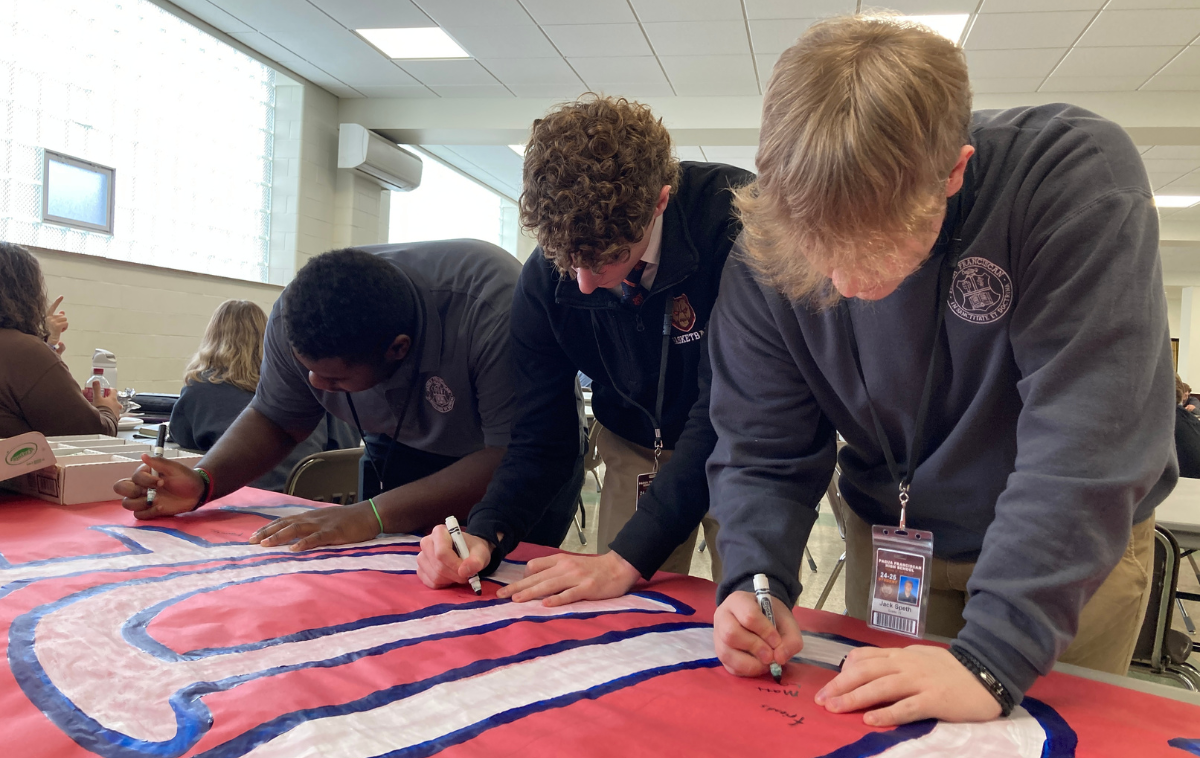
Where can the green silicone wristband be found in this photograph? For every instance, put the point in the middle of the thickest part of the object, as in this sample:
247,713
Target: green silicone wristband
371,500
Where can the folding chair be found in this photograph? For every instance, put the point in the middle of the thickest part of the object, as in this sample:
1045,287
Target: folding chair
1161,650
838,505
328,477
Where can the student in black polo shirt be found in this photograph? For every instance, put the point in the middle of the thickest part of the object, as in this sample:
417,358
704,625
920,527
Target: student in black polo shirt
632,244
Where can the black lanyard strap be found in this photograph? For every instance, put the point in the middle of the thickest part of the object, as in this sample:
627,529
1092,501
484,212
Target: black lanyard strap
918,442
656,418
387,458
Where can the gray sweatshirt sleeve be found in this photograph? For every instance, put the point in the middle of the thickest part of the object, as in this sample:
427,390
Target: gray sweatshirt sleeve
1089,336
775,449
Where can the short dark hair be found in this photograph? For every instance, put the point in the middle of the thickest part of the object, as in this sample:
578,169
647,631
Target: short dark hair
22,291
349,304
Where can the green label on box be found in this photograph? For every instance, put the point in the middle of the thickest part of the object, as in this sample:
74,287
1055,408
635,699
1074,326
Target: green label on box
20,454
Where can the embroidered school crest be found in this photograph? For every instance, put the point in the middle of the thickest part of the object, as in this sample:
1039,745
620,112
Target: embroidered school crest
981,292
683,316
438,393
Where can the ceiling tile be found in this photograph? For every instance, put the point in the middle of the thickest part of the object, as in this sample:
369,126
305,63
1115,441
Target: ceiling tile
643,69
408,92
1142,27
1115,61
1176,168
472,90
597,40
1187,64
267,16
503,42
1174,153
1163,83
316,75
698,37
687,10
1006,31
1188,182
930,7
1026,6
532,71
1158,179
766,64
374,14
1000,86
689,153
710,75
344,55
579,11
457,73
267,47
476,12
1136,4
342,91
634,90
551,91
1003,64
793,9
742,157
777,35
1092,84
211,14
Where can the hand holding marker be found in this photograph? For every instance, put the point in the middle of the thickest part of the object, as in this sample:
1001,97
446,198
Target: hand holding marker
762,593
460,547
159,445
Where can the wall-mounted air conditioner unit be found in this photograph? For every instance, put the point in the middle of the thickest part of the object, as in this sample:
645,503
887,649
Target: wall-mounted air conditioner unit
383,162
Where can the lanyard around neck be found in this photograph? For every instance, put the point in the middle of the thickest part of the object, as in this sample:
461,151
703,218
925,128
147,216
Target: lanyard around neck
918,442
387,458
656,418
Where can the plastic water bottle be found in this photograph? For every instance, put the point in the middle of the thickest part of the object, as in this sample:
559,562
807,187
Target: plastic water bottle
97,383
104,359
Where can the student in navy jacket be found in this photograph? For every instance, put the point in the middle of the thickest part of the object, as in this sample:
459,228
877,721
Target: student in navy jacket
631,241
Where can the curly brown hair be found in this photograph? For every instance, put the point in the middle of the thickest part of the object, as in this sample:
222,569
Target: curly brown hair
22,292
594,169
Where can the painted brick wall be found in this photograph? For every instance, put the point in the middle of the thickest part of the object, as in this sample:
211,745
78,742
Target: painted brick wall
151,318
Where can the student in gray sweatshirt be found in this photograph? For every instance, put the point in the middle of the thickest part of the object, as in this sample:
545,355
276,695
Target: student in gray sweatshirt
1008,261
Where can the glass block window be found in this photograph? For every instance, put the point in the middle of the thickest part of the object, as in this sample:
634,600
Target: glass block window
185,121
448,205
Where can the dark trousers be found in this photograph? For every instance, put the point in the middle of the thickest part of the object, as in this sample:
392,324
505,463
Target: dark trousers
407,464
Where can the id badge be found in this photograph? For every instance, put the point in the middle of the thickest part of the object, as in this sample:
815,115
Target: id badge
900,587
643,484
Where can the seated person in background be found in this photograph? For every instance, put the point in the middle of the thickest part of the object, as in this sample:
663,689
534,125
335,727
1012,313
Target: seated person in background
632,244
410,343
37,392
220,382
1187,432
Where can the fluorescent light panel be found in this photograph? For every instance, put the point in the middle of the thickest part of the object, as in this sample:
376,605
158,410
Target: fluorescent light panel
949,25
1176,201
414,43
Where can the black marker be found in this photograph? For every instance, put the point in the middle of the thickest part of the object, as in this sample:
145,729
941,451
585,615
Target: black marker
159,445
762,593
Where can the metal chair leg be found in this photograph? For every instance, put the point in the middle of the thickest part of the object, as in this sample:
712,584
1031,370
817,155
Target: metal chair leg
812,565
703,544
837,570
1187,620
580,514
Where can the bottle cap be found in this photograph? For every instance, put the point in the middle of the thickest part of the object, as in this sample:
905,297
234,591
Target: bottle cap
761,583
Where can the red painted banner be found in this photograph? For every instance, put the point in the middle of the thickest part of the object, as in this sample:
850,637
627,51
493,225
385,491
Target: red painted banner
128,639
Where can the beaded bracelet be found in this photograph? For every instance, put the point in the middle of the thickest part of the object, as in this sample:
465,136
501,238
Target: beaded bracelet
208,486
993,685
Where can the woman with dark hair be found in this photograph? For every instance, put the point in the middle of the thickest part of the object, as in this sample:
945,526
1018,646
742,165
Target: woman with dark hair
220,382
37,392
1187,432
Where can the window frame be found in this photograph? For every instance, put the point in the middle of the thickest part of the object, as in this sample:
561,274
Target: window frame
47,217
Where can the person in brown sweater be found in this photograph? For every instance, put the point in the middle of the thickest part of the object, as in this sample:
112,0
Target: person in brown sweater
37,392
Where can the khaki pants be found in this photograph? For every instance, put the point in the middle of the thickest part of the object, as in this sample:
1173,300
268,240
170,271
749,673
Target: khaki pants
1108,626
623,462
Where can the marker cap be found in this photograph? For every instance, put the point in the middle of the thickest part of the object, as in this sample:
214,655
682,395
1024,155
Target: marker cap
761,583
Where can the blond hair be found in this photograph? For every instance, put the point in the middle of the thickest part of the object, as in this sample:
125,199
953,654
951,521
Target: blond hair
232,348
863,120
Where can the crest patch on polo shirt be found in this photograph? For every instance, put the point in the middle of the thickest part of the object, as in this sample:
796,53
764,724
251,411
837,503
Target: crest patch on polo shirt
981,292
683,316
438,393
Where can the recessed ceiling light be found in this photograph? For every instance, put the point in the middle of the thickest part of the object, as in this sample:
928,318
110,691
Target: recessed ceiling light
518,149
949,25
414,43
1176,201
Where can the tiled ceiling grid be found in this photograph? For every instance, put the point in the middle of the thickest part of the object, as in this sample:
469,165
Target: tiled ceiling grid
699,48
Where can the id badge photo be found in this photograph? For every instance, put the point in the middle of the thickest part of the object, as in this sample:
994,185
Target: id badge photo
900,586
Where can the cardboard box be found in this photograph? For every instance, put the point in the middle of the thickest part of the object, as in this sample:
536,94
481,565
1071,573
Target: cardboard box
76,475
